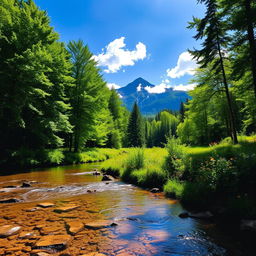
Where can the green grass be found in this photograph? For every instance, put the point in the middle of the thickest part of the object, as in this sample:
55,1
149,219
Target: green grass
142,167
91,155
174,189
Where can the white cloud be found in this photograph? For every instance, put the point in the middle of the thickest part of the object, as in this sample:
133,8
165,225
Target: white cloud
185,65
113,85
161,88
115,56
182,87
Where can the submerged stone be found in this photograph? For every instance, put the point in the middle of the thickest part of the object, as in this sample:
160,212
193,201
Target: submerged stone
46,205
66,208
155,190
9,201
74,227
57,242
100,224
8,230
107,178
184,215
201,215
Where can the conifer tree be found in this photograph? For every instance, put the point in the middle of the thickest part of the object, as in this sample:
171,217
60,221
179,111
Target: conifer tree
135,131
211,30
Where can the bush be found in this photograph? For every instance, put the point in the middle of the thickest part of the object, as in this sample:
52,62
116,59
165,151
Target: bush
134,161
55,157
174,189
149,177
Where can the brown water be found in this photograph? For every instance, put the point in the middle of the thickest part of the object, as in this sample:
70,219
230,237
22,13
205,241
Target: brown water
147,224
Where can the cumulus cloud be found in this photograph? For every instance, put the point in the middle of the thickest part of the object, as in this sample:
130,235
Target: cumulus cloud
161,88
113,85
185,66
182,87
115,55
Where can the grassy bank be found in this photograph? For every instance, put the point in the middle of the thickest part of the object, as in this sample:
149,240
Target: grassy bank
220,177
46,158
142,167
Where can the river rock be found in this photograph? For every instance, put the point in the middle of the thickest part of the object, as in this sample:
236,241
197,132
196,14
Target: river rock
107,178
248,225
98,224
25,184
46,205
56,242
201,215
25,235
40,254
9,200
74,227
67,208
94,254
155,190
8,230
96,173
184,215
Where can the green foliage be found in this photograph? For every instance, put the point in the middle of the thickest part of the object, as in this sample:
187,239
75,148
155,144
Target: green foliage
87,97
34,74
135,130
174,189
159,129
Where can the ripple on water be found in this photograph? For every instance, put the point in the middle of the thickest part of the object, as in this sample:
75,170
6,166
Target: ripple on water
71,190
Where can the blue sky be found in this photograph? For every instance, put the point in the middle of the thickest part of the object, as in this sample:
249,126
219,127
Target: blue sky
131,38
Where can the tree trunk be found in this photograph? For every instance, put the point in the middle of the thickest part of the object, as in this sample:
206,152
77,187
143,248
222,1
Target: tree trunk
230,108
251,39
70,142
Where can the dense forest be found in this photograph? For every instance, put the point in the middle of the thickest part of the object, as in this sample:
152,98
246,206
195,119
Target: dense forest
54,96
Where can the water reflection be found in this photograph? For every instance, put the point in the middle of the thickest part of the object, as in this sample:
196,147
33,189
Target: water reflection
147,224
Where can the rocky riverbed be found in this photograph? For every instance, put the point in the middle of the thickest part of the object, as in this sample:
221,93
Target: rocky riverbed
70,211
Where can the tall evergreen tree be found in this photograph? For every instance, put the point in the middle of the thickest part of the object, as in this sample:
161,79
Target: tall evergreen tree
87,97
135,131
182,112
211,29
241,17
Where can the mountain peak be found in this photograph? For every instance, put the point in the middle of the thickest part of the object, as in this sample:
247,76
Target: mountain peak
149,102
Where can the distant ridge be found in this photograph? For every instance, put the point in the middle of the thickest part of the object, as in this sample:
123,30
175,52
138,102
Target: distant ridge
150,103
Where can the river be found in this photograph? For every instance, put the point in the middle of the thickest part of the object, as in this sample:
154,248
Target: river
123,219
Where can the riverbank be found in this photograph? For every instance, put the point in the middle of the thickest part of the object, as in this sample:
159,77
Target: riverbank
57,157
219,178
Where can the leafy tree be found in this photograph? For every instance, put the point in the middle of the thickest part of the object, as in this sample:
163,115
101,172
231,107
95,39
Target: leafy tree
87,96
135,130
211,29
34,73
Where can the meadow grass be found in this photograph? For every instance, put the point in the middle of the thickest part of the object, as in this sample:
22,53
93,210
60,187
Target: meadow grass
142,167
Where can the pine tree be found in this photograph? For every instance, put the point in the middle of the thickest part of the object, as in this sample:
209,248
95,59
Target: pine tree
182,112
135,130
210,28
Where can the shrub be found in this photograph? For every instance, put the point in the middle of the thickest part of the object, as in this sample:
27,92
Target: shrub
55,157
150,177
174,189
